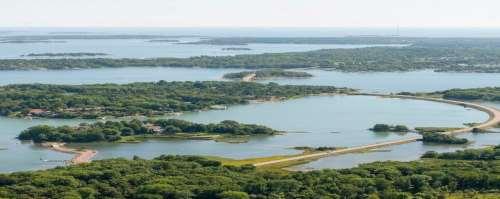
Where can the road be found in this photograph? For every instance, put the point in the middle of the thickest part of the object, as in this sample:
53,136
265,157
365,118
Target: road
493,120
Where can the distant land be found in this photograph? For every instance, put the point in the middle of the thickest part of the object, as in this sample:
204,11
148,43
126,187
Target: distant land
78,54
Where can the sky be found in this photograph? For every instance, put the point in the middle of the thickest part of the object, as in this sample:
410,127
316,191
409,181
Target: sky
250,13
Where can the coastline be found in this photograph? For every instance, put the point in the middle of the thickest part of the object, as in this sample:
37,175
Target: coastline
81,156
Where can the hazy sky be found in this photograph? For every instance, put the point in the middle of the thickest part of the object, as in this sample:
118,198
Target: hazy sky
251,13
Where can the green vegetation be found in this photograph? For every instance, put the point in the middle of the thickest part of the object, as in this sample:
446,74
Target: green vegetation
197,177
79,54
389,128
150,99
442,138
490,153
268,73
230,49
435,129
348,60
116,131
484,94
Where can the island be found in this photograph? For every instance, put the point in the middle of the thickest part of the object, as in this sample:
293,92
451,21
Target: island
236,49
77,54
440,58
171,176
142,99
266,74
389,128
431,137
134,130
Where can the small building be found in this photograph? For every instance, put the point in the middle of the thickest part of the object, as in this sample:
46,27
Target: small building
37,111
154,128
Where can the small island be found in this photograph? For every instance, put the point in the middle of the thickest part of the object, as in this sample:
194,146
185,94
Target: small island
78,54
236,49
430,137
389,128
266,74
135,130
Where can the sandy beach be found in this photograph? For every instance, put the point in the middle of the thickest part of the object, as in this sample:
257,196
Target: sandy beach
81,156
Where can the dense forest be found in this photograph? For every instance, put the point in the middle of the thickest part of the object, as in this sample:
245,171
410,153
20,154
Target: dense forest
268,73
113,131
348,60
93,101
199,178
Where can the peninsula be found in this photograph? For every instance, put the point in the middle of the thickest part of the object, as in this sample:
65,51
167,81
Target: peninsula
131,130
141,99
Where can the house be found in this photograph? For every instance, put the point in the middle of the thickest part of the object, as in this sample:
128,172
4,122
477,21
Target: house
37,111
154,129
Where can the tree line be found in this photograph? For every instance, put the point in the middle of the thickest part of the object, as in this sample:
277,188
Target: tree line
149,99
200,178
456,59
113,131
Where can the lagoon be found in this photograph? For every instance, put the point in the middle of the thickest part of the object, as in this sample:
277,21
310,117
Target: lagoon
310,121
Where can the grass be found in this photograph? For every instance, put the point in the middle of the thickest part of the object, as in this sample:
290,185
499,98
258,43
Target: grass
280,167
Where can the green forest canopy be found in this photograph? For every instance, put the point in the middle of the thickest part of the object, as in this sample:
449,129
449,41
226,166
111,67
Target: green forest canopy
113,131
196,177
97,100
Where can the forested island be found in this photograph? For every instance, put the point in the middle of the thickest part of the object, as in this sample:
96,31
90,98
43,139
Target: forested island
268,73
128,130
195,177
78,54
431,137
389,128
147,99
442,59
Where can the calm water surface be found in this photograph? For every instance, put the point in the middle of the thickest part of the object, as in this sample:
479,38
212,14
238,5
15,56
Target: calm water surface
312,121
417,81
137,48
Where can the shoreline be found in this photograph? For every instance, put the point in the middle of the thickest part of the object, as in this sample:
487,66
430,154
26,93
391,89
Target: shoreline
492,121
81,156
